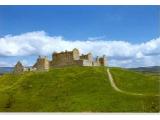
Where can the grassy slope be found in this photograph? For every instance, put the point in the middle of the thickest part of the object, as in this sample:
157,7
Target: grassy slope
136,82
79,89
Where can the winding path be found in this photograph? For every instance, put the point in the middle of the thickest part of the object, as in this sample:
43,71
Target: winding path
119,90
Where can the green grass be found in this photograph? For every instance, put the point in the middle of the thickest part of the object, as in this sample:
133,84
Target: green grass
76,89
136,81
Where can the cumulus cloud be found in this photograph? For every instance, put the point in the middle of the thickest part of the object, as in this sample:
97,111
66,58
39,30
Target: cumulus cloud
119,53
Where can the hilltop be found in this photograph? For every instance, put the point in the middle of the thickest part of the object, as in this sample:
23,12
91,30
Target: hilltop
151,69
78,89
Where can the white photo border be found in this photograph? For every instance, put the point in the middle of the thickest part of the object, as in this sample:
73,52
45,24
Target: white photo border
79,2
79,116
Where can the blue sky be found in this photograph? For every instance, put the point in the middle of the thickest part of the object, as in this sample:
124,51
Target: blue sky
130,23
135,25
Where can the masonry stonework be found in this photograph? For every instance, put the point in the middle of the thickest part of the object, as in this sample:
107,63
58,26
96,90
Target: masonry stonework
42,64
65,58
18,68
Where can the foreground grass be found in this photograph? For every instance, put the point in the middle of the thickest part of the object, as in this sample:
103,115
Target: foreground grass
73,89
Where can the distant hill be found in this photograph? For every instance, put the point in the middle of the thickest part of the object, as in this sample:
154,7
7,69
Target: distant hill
78,89
151,69
5,70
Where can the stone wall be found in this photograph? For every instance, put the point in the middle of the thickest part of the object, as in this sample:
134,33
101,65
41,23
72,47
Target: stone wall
76,54
69,58
66,58
29,69
87,57
87,63
103,61
96,63
63,56
18,68
42,64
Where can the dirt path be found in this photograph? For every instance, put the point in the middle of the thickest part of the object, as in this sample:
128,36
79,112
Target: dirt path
122,91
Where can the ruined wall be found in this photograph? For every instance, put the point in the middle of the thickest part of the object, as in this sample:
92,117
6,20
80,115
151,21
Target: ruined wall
66,58
96,63
87,63
103,61
18,68
76,54
29,69
42,64
62,57
78,62
84,57
87,57
71,63
69,58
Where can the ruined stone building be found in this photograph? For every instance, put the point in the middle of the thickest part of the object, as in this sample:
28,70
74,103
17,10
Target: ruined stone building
18,68
65,58
68,58
41,64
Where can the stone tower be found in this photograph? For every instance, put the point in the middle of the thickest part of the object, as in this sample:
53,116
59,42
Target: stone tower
75,54
42,64
18,68
103,61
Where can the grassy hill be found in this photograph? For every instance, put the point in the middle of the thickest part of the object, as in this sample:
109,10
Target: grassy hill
136,81
151,69
78,89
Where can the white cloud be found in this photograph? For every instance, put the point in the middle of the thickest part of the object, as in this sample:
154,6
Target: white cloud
119,53
96,38
5,64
